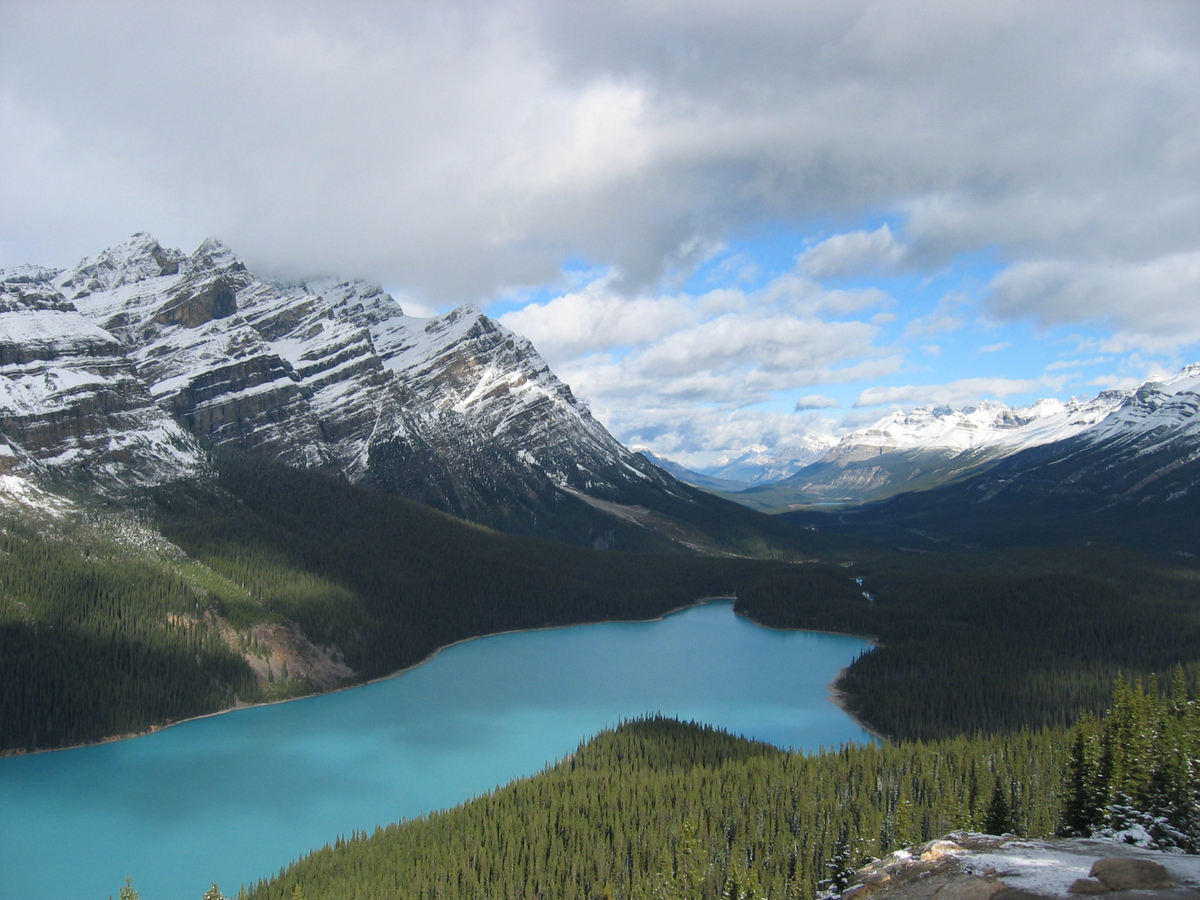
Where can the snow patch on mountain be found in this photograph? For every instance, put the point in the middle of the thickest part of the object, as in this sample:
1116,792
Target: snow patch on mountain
453,410
990,423
71,403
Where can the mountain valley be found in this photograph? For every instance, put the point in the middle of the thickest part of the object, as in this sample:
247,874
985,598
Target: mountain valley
1120,467
217,490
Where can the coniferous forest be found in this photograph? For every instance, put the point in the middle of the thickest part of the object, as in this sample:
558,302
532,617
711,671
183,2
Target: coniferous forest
94,643
664,809
105,640
984,661
999,640
661,808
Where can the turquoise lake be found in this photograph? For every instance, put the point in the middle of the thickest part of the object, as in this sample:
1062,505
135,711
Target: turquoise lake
233,798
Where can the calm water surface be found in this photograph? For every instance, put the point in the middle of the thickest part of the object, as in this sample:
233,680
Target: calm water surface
233,798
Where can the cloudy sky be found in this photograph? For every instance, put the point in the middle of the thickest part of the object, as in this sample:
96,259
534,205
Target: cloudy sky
725,224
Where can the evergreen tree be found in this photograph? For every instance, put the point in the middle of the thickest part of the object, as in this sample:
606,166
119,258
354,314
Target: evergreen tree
1084,802
999,818
840,865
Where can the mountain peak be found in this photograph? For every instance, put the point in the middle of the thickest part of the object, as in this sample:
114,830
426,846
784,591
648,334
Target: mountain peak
27,274
214,254
466,312
1186,380
137,259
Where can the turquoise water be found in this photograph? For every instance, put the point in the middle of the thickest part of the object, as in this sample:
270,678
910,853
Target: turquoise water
232,798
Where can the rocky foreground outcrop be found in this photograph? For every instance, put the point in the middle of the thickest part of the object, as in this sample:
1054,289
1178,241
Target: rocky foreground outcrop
984,867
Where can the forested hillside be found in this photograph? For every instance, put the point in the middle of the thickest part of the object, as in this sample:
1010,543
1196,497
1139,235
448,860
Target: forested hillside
663,809
658,808
1001,640
104,636
98,641
389,581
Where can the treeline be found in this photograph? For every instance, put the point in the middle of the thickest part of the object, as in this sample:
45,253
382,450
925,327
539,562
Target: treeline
100,641
998,640
1135,773
101,637
663,809
660,808
94,642
389,581
991,641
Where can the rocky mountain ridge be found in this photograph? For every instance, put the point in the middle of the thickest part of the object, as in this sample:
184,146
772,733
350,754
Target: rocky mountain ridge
1128,478
907,452
845,468
134,364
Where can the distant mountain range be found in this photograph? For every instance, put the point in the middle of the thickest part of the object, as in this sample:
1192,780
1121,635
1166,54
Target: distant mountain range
1130,478
1123,465
758,465
132,367
918,450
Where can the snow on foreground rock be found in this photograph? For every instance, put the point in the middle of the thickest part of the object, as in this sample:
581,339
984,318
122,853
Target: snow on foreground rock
977,867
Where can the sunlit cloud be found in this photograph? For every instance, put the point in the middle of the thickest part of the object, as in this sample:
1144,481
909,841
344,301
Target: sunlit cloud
958,393
1151,304
1077,363
631,166
947,318
852,253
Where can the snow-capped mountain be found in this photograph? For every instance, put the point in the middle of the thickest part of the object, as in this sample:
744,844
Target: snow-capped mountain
760,465
688,476
71,403
138,357
990,424
928,447
1125,466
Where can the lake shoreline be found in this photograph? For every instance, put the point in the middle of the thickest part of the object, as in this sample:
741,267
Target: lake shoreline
837,696
840,699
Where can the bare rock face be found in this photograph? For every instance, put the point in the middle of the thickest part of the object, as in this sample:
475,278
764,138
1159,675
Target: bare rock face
928,872
214,300
71,402
1130,874
966,866
455,411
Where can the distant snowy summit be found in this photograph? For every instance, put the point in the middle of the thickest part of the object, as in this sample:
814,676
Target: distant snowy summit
131,367
760,465
930,446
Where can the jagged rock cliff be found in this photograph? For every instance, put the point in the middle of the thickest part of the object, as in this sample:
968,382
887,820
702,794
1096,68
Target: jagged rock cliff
192,351
72,406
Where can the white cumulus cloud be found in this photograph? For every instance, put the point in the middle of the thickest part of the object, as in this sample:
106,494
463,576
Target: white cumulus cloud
852,253
957,393
1154,303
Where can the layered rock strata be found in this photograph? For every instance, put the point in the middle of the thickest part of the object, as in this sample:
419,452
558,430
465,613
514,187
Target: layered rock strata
455,410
